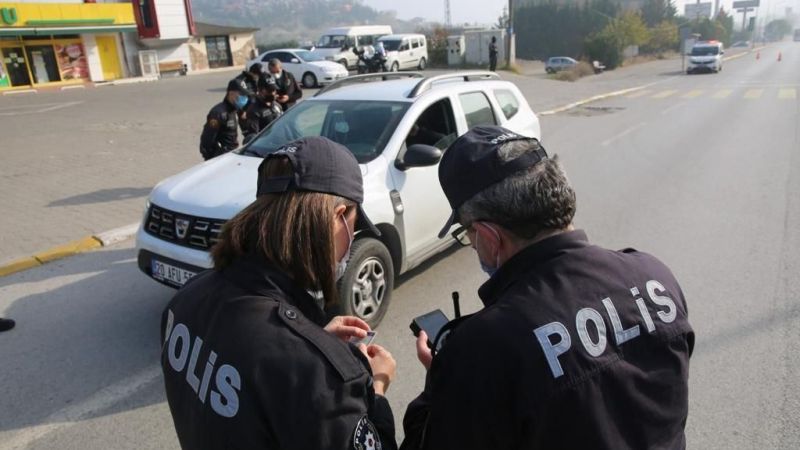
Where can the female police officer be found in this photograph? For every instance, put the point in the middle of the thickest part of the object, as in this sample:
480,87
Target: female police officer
248,360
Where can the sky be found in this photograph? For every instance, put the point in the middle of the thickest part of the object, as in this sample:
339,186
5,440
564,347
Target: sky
487,11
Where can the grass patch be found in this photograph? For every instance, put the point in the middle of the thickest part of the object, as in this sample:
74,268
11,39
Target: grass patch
582,69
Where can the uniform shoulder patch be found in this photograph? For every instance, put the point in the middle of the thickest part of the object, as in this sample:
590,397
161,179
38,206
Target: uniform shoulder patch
213,122
365,437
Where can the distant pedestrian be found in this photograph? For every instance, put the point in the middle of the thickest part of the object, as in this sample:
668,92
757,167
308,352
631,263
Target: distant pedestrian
6,324
493,54
263,110
220,133
289,91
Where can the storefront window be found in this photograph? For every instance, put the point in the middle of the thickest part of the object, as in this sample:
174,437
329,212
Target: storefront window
44,68
72,61
16,69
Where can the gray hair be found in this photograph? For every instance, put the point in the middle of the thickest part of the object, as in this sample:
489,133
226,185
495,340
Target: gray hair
274,63
537,199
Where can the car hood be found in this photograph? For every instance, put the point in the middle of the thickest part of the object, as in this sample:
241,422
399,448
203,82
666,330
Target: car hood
330,66
216,189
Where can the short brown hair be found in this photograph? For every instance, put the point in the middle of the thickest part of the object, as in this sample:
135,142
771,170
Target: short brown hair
293,231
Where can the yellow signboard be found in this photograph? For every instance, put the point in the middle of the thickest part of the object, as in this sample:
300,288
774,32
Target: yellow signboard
25,15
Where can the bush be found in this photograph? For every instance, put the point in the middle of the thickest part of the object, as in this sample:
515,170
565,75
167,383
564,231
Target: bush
582,69
437,57
604,47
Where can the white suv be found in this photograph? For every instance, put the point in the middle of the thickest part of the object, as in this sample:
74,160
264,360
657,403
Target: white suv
397,127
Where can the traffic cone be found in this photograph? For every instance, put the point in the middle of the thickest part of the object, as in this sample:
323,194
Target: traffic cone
779,56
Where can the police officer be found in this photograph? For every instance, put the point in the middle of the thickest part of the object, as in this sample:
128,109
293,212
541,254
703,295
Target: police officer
263,110
220,134
248,79
289,91
493,54
576,346
248,359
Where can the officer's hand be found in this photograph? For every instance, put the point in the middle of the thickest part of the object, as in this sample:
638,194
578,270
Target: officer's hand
423,352
383,367
347,327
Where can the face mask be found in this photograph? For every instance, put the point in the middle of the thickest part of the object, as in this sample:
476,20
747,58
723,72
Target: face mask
341,266
489,270
241,101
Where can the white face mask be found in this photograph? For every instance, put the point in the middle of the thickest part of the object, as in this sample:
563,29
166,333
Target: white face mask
341,266
489,270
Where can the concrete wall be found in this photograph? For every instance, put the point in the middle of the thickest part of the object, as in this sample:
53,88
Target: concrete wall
172,19
242,46
198,54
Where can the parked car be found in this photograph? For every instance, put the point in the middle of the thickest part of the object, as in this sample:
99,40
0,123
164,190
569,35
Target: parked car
405,51
396,125
558,63
337,44
307,67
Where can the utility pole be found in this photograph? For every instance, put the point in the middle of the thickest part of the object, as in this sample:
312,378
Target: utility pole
448,21
511,47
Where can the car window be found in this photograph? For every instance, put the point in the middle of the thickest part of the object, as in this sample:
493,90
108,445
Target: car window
415,43
422,42
508,102
404,45
391,45
364,127
435,126
332,41
477,109
283,57
367,40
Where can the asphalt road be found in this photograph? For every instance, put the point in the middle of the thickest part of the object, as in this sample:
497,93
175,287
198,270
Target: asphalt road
701,171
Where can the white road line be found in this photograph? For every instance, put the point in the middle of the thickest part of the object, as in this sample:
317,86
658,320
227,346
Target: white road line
677,105
48,107
630,130
103,399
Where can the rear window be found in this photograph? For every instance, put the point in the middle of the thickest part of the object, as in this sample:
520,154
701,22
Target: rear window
477,109
508,102
415,43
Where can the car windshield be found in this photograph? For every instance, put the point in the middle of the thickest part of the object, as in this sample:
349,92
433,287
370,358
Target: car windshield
705,51
364,127
332,41
391,45
307,56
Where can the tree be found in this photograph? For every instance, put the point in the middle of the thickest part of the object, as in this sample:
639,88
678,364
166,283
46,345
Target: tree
654,12
663,37
502,21
603,47
630,29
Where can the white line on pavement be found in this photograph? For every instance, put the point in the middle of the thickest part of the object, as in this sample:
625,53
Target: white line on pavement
48,107
630,130
675,106
103,399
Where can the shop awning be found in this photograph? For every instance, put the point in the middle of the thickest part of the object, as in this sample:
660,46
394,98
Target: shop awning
60,31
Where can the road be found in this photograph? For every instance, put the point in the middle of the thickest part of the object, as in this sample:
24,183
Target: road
702,171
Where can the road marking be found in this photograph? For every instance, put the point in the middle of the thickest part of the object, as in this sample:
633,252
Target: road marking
630,130
753,94
724,93
102,399
787,94
693,94
37,109
665,94
640,94
675,106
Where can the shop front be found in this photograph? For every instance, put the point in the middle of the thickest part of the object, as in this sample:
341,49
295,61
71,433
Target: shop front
62,43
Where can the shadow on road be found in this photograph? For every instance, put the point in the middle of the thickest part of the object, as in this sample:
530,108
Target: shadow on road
102,196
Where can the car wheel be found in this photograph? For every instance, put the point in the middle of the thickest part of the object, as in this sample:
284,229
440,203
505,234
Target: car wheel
395,67
549,70
423,64
309,80
344,63
365,290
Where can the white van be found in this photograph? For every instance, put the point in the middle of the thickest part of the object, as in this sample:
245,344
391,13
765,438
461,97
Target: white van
337,44
705,56
405,51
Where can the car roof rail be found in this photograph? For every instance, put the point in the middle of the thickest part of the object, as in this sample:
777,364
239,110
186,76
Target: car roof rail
367,77
473,75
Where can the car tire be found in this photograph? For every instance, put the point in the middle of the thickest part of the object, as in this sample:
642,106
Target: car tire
549,70
365,290
309,80
395,67
423,64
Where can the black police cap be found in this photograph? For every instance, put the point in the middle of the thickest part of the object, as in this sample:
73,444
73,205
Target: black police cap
471,164
319,165
235,86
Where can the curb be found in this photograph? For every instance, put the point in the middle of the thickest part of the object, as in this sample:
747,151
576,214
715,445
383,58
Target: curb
72,248
561,109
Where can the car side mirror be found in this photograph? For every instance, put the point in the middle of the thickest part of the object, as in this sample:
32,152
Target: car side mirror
419,155
295,61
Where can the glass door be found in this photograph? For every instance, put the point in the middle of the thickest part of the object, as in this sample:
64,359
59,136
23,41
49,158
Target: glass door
17,68
219,54
44,67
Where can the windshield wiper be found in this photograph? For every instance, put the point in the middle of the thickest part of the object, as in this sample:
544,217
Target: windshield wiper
249,152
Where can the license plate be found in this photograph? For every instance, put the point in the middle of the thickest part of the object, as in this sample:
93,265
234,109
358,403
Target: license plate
167,272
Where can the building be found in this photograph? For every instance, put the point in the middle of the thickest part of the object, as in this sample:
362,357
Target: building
60,43
216,46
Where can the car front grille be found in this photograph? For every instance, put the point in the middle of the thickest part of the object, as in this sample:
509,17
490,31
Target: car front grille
188,231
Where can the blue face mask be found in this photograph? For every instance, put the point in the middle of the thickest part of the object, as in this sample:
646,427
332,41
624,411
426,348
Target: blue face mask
489,270
241,101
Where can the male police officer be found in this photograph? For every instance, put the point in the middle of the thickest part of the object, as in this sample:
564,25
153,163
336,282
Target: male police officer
577,346
263,110
289,91
248,79
220,134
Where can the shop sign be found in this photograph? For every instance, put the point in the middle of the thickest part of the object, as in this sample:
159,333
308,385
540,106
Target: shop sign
9,15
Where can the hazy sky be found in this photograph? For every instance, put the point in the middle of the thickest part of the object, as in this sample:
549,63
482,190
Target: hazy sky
487,11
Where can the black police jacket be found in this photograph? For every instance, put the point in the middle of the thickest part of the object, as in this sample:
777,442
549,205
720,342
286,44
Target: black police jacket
259,115
287,85
247,365
246,82
577,347
220,133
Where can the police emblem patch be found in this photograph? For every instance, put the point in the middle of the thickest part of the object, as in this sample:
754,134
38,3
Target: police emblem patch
213,123
365,436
